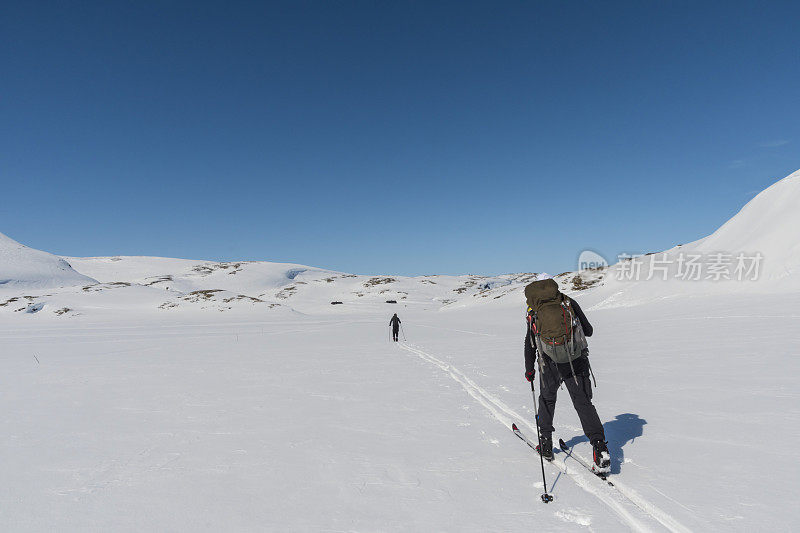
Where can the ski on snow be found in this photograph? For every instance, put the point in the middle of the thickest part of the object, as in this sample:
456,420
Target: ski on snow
521,435
567,450
562,446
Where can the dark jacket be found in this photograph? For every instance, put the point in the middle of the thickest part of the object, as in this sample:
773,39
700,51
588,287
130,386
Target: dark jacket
395,322
530,350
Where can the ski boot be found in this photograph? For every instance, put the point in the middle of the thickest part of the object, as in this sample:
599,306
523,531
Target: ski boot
546,450
602,459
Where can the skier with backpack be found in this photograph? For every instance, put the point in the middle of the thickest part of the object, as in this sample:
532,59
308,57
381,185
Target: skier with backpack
395,323
556,333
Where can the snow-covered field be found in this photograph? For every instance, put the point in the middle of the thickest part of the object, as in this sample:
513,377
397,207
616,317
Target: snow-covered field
151,394
215,422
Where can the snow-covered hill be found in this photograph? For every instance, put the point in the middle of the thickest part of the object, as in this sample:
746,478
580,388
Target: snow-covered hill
23,268
226,286
120,284
770,225
755,252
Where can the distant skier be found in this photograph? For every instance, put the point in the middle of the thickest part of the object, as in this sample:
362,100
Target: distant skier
557,331
395,323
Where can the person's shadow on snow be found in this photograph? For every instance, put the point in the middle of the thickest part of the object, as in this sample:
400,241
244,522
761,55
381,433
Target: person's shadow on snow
623,429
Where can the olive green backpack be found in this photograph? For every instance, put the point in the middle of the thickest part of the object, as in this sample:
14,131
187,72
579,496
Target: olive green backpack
555,328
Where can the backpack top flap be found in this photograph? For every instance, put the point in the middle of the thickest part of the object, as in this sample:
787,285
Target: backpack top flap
553,317
541,291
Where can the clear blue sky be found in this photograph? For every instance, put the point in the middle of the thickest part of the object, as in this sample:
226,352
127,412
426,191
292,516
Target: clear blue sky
391,137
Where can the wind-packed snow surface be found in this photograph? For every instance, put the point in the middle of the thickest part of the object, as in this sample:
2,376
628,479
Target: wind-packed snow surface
173,395
214,421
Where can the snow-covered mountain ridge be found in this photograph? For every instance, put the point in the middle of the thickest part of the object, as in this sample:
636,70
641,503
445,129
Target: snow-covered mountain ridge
176,284
757,251
179,284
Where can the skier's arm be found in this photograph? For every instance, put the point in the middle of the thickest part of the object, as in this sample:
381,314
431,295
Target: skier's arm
530,354
587,328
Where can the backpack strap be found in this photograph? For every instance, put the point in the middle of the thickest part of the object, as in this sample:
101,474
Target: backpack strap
531,327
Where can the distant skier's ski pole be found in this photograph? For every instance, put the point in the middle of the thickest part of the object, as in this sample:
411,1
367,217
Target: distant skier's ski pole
403,332
545,497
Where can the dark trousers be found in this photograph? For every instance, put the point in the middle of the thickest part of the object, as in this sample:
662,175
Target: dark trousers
551,375
395,331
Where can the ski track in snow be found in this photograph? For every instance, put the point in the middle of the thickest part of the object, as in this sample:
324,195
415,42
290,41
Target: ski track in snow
506,416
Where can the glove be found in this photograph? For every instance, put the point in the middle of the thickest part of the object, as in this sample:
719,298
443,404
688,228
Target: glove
530,374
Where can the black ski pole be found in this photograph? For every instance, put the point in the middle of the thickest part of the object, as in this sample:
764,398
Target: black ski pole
403,332
545,497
